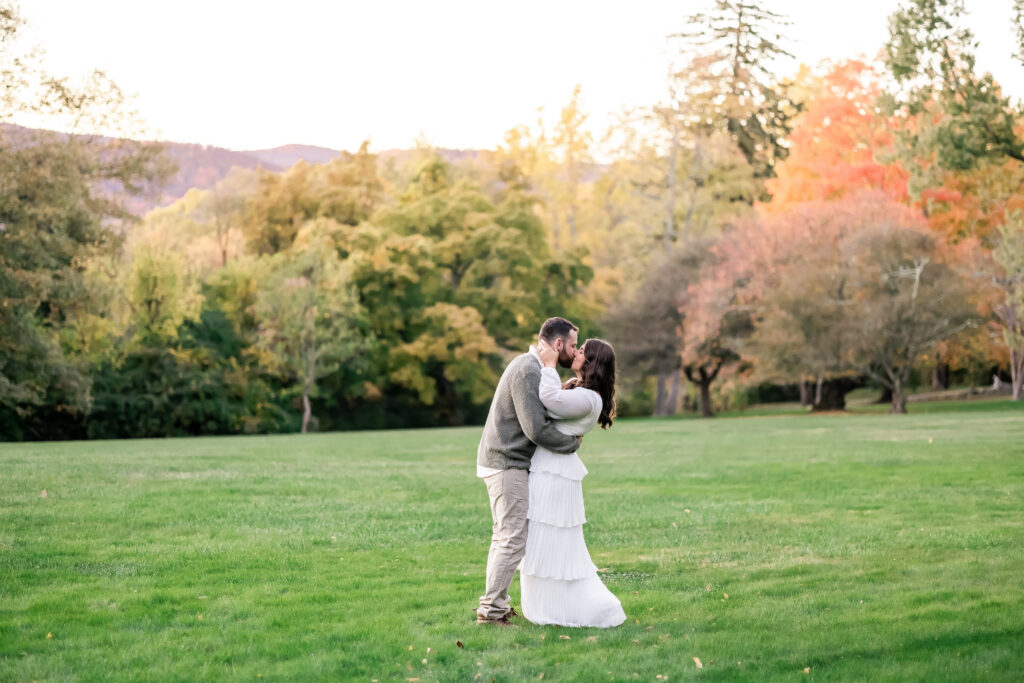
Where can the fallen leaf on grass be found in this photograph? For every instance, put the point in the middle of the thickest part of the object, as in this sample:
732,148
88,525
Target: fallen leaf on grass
696,660
807,670
43,494
429,650
565,637
200,617
49,636
458,643
726,595
424,660
591,639
410,648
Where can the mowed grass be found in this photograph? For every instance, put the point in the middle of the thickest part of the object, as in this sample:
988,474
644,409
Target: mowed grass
864,547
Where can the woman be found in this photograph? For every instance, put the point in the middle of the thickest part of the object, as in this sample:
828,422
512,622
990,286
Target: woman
559,581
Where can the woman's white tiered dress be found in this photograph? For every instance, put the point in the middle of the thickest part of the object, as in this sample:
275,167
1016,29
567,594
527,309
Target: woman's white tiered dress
559,581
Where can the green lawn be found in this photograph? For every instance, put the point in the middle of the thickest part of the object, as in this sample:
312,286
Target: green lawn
862,547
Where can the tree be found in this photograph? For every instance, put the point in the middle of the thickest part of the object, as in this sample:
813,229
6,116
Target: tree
955,117
55,214
307,312
911,298
645,325
837,141
828,291
1009,255
572,143
736,44
346,190
957,121
445,264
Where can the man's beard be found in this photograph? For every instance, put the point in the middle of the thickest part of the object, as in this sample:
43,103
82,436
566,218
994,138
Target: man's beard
565,361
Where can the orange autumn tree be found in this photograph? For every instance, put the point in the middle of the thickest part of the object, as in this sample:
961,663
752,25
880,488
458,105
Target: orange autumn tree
838,142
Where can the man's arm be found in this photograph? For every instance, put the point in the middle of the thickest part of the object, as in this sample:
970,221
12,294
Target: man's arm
532,418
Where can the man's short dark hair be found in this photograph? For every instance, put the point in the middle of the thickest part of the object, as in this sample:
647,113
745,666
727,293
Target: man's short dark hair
556,328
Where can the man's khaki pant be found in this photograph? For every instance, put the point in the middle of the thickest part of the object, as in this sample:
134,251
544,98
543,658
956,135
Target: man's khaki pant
510,500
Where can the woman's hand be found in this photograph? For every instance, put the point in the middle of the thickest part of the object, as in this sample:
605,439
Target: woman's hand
548,356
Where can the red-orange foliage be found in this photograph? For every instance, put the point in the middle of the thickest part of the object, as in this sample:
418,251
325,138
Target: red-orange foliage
837,141
973,204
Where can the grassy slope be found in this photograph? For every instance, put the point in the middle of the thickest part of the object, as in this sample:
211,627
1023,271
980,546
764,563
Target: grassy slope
863,547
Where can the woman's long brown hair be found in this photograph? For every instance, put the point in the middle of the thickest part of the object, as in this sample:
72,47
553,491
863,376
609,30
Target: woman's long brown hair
598,374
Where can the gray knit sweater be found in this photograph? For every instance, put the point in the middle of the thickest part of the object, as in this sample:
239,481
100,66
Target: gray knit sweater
517,423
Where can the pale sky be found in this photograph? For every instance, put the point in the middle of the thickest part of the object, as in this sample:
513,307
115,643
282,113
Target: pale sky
257,74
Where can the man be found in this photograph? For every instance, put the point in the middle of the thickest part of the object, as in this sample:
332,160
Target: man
516,425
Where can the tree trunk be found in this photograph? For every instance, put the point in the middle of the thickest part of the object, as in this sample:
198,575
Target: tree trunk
940,375
886,396
831,394
673,393
703,379
705,394
670,209
805,393
659,396
307,388
899,398
1016,372
306,410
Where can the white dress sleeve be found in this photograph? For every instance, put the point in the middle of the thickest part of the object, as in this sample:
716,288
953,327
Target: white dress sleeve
563,404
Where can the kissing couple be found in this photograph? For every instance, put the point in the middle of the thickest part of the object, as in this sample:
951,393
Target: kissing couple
528,460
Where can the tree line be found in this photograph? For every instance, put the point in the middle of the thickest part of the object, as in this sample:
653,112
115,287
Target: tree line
858,222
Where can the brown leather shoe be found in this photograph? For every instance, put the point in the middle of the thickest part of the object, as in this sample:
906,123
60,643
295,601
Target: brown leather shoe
500,621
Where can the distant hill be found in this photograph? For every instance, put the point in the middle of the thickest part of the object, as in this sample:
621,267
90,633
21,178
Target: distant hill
201,166
286,155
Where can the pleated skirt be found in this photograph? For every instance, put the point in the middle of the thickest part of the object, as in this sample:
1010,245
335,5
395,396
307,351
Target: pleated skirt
559,581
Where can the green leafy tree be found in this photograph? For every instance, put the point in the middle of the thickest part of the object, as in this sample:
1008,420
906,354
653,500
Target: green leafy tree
734,46
447,264
346,190
55,213
308,315
959,117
